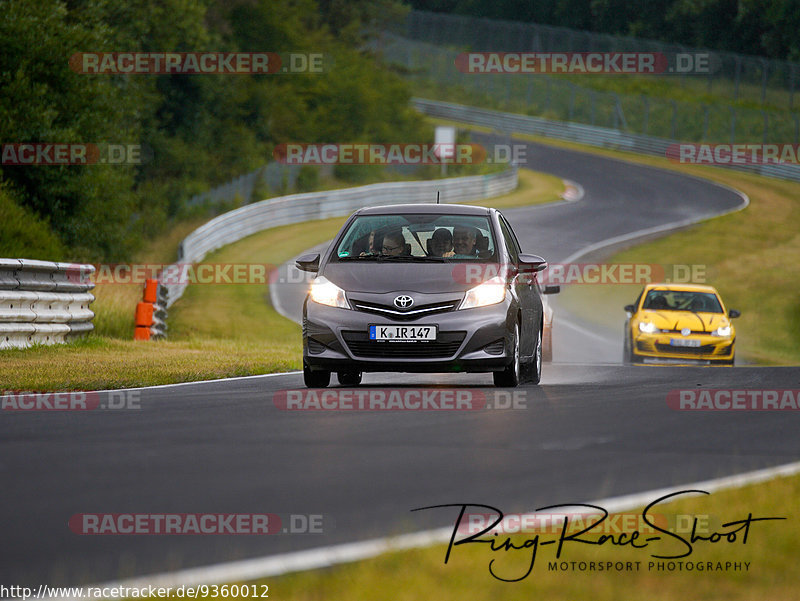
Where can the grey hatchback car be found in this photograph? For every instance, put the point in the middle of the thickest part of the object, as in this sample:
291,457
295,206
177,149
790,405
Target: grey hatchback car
424,288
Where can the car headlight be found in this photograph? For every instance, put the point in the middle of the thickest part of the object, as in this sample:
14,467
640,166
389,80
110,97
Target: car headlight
722,331
325,292
648,327
490,292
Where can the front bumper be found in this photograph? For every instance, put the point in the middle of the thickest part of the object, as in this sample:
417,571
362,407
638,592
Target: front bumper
471,340
710,349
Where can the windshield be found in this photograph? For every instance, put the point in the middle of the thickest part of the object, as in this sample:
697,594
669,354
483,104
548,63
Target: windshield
680,300
417,237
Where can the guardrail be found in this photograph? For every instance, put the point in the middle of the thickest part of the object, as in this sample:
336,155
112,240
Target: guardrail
603,137
43,302
240,223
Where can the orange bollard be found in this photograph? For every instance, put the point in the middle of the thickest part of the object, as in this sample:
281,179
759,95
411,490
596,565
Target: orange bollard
144,314
150,290
141,333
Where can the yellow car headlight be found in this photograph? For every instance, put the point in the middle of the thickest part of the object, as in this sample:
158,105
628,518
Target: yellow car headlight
325,292
722,331
647,327
490,292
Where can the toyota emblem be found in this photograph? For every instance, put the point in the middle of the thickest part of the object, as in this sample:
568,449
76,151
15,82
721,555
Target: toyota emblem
403,301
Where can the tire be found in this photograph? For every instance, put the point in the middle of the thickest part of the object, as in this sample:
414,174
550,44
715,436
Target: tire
349,378
510,376
547,345
533,373
628,356
315,379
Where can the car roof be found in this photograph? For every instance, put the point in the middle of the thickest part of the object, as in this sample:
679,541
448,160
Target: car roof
429,208
682,288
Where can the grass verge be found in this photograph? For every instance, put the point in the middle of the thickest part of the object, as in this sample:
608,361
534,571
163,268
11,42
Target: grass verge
770,549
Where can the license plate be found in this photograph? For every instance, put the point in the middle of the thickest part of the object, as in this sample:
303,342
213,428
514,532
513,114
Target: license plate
684,342
402,333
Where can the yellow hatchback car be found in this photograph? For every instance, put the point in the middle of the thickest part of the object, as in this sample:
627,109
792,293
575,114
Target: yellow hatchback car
679,323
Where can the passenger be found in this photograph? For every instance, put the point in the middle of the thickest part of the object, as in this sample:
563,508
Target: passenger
464,241
368,244
441,243
394,244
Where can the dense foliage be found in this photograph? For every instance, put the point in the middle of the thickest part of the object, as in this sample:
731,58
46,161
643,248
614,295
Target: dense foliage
200,130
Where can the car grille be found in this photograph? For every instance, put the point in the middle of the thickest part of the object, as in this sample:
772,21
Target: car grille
445,345
707,349
393,312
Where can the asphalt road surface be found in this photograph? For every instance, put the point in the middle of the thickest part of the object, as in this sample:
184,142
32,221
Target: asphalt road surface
589,431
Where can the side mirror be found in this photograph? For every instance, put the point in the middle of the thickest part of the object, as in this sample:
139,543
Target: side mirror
734,313
630,309
551,289
308,263
532,263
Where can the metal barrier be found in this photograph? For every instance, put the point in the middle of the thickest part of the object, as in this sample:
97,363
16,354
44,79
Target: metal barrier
575,132
295,208
43,302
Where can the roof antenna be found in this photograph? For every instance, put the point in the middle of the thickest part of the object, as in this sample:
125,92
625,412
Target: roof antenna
437,197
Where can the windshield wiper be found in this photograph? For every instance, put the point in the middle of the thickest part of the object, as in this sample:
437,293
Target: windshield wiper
401,258
359,257
413,258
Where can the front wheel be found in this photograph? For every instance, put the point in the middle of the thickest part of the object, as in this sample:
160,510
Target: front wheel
627,352
315,379
510,376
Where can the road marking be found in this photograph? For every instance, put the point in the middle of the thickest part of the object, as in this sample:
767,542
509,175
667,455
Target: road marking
325,557
196,382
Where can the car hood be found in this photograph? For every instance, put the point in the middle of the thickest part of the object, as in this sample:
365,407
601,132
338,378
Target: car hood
428,278
678,320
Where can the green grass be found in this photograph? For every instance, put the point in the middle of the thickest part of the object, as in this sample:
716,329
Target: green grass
771,549
214,330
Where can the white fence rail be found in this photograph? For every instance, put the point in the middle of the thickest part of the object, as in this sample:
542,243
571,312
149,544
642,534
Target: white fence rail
295,208
43,302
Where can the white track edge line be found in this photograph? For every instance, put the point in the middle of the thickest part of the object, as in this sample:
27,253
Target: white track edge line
324,557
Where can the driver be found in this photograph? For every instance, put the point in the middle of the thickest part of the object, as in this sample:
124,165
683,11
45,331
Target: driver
464,240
